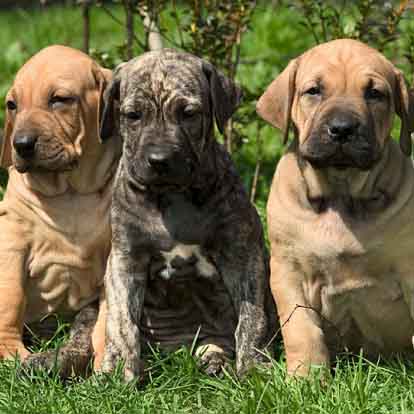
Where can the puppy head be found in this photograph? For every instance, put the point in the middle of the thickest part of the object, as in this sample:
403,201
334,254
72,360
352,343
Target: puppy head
52,111
164,104
341,97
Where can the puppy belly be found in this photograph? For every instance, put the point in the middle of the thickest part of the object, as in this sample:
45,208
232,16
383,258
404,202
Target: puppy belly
175,312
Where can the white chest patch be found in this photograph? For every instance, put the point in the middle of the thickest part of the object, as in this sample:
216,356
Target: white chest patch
187,251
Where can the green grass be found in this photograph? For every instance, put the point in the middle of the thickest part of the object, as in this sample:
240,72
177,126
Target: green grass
174,383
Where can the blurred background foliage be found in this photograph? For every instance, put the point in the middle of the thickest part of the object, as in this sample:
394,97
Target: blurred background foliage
250,41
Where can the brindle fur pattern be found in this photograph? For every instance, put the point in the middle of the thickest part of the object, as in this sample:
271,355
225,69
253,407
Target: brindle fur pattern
74,357
200,207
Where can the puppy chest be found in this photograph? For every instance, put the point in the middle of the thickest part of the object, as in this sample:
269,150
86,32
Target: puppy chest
65,275
178,220
183,262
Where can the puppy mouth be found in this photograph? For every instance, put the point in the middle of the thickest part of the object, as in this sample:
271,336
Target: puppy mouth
36,166
161,186
166,181
322,154
342,161
22,168
337,160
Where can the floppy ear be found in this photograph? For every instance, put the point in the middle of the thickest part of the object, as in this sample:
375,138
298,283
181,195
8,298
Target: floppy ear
275,105
405,110
103,78
109,113
6,159
224,93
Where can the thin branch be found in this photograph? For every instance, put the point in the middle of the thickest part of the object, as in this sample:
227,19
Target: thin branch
86,26
177,23
121,23
129,26
258,164
154,39
297,306
111,15
308,20
228,132
323,24
235,64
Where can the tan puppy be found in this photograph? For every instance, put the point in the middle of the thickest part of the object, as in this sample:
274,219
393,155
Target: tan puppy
341,206
55,233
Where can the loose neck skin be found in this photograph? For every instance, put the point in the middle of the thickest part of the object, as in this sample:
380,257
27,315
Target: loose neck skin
96,167
380,184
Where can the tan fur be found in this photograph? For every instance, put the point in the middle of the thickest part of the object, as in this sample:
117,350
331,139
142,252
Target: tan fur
342,240
55,233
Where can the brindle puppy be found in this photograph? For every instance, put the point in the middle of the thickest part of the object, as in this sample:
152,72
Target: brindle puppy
188,256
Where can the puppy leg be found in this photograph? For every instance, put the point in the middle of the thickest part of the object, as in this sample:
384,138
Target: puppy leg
245,275
301,327
12,305
73,358
125,283
98,335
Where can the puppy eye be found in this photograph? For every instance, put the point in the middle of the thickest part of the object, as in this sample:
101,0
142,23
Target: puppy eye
313,91
374,94
134,115
57,101
11,105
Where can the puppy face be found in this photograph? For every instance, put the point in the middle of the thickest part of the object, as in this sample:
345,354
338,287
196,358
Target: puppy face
163,119
52,108
343,96
165,102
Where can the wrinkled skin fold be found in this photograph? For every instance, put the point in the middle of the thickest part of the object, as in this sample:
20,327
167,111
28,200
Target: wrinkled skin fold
54,217
341,206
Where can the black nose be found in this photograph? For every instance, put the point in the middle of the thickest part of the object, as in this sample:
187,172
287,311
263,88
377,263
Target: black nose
341,128
25,145
159,161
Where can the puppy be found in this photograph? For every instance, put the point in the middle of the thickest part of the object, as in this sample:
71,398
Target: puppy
188,261
341,206
55,235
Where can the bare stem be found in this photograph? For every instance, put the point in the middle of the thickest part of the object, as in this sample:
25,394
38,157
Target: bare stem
86,26
121,23
129,16
259,156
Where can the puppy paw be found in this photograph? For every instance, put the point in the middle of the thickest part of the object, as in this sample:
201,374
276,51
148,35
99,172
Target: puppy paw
11,351
110,360
214,363
45,361
132,367
248,361
65,362
132,370
212,359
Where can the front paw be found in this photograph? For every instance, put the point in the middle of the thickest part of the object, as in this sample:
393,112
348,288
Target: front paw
132,366
212,359
11,351
66,362
213,363
45,361
246,363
